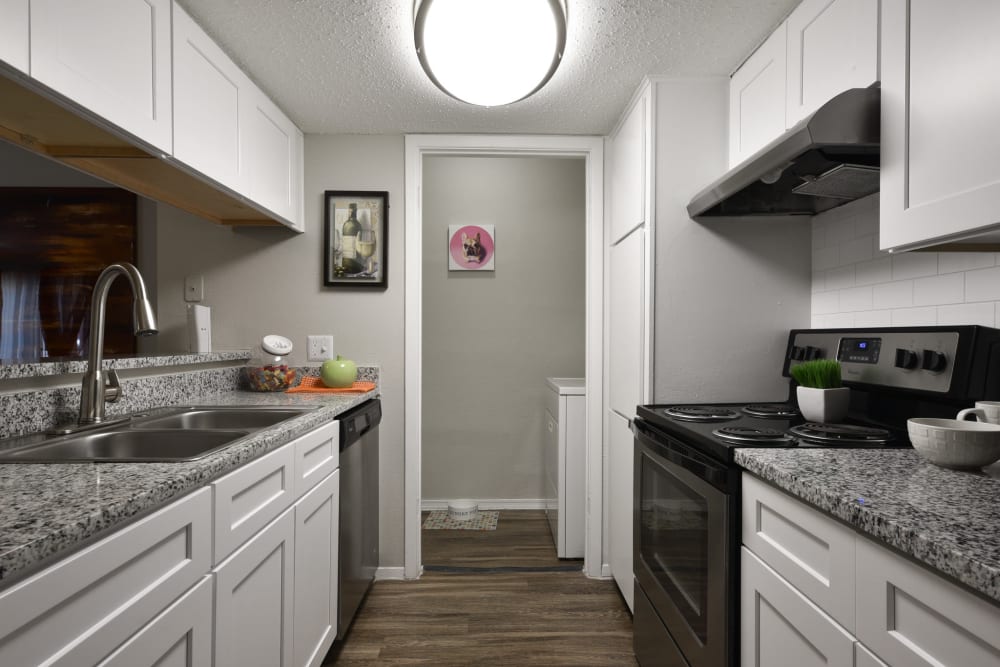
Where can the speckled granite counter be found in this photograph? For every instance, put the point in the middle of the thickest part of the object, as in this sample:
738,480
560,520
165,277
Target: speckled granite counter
943,518
50,510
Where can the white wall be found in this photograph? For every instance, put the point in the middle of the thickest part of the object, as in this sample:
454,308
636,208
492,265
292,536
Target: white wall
491,338
269,280
855,284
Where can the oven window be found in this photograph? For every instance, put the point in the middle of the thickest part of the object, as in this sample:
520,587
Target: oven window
673,541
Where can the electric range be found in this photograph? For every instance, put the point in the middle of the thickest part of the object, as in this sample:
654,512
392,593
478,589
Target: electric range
687,488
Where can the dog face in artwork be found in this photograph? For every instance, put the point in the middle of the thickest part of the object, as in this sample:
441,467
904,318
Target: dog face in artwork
472,249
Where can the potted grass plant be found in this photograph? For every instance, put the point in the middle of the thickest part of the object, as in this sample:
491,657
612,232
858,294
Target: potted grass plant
820,394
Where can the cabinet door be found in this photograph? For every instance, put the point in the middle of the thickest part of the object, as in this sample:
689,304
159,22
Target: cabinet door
779,626
628,157
179,637
757,99
316,536
811,551
207,90
940,101
273,152
832,47
910,616
573,453
621,473
626,319
112,57
79,609
552,481
249,497
865,658
14,33
253,600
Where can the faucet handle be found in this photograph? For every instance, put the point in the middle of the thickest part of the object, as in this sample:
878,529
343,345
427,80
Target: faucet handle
112,390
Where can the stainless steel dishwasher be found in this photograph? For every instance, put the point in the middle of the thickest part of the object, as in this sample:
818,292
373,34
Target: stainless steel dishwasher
358,507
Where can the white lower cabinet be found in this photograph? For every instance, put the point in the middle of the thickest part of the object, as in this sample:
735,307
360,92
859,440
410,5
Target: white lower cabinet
253,599
781,627
179,637
317,522
565,463
621,466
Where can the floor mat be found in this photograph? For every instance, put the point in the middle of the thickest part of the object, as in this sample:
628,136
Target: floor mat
440,520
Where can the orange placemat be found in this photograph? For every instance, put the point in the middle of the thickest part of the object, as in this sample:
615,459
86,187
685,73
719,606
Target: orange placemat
314,385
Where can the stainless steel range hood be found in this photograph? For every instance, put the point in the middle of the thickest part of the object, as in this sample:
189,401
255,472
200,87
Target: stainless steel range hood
828,159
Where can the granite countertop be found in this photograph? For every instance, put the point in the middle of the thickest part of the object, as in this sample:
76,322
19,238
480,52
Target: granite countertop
52,509
945,519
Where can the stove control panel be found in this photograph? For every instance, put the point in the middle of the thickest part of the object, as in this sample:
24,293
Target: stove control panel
902,359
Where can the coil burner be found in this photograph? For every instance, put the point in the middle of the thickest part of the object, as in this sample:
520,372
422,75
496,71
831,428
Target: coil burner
840,435
771,410
745,435
700,413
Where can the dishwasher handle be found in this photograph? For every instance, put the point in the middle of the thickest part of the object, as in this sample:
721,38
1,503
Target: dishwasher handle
354,424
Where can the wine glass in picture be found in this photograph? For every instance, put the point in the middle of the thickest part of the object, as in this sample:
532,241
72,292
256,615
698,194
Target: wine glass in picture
338,248
366,248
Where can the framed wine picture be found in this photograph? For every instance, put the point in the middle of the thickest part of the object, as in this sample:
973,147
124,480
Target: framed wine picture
355,238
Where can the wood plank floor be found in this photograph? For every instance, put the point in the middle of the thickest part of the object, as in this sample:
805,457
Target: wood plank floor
523,618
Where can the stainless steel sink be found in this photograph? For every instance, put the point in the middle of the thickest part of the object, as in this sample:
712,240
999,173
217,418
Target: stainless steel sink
126,445
181,434
220,418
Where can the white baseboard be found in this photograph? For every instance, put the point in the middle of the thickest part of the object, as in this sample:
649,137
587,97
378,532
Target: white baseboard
427,504
389,573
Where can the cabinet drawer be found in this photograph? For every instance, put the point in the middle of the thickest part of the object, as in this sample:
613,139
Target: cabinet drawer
910,616
865,658
181,635
74,612
781,627
317,454
247,499
809,549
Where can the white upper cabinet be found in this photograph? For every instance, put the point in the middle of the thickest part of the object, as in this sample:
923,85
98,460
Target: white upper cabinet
273,154
628,170
757,99
940,103
207,91
14,48
832,47
111,57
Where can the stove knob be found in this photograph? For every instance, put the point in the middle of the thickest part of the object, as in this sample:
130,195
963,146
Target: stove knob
797,354
934,361
813,353
906,359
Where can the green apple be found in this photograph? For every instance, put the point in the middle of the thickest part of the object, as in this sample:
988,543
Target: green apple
338,372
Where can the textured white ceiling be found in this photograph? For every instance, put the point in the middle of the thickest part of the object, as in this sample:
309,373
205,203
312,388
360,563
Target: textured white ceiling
348,66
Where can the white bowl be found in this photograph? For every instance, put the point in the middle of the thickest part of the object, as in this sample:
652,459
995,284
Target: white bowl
955,444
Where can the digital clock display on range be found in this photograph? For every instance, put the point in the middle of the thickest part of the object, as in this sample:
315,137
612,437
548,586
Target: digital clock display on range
859,350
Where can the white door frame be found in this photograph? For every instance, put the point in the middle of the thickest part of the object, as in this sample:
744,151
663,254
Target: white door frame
592,150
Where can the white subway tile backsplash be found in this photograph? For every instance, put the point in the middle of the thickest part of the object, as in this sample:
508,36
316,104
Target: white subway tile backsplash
874,271
873,318
857,250
825,258
952,262
982,284
914,317
939,290
968,313
914,265
840,320
855,299
841,278
819,281
893,295
824,303
842,231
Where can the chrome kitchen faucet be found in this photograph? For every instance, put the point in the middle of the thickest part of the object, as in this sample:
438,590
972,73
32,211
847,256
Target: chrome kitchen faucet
100,387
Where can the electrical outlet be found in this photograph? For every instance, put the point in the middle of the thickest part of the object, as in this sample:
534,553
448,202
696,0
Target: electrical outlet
320,348
194,288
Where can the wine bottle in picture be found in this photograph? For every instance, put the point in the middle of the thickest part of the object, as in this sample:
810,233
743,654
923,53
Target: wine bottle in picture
348,241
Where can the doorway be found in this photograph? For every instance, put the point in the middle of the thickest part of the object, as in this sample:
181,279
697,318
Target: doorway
420,148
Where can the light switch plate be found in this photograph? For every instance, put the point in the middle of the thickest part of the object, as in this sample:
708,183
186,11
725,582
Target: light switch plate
194,288
320,348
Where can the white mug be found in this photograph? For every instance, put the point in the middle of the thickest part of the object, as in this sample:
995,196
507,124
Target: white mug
985,411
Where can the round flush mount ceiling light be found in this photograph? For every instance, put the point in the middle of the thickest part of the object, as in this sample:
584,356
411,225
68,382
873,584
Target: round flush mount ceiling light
490,52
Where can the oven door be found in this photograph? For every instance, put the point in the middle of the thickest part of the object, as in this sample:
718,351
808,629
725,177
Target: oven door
684,532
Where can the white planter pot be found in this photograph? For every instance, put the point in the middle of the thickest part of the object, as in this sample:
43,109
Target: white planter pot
826,406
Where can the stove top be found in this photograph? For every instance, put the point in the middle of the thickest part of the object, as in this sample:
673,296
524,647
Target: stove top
719,429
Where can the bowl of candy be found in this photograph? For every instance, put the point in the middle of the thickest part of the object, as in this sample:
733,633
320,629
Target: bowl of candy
266,370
